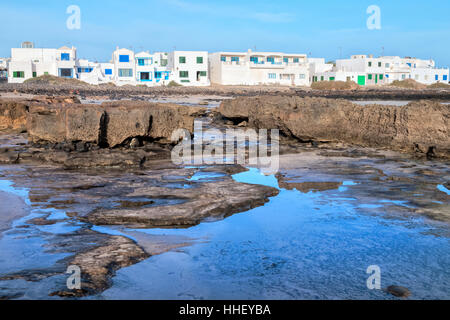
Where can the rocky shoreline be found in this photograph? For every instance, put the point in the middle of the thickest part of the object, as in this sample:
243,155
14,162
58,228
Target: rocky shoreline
85,91
108,165
420,127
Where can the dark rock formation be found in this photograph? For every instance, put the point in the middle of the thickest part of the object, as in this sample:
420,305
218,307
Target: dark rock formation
422,126
398,291
63,120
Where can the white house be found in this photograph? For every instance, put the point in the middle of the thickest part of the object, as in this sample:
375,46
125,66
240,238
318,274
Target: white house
124,67
162,72
256,68
368,70
189,68
27,63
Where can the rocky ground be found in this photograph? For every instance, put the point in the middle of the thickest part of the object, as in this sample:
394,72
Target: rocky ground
111,92
420,127
108,165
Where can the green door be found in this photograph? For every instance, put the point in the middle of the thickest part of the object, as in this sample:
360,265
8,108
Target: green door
376,79
362,80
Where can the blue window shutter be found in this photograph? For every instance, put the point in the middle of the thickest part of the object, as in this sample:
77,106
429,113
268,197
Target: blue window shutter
124,58
437,77
108,71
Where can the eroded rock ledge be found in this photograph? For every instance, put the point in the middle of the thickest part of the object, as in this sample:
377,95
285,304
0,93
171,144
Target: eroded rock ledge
418,127
61,130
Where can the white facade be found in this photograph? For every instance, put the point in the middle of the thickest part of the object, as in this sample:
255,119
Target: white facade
28,63
124,67
189,68
258,68
152,70
367,70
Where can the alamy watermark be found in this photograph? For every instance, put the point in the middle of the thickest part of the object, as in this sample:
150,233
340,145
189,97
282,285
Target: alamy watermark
74,280
374,20
234,146
74,20
374,280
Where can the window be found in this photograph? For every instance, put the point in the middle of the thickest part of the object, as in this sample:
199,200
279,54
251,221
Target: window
445,77
403,76
45,73
296,60
184,74
272,75
124,58
18,74
157,75
436,77
65,73
125,73
182,59
379,64
332,78
164,62
285,60
381,77
65,57
199,60
370,77
271,59
34,74
322,78
254,59
108,71
141,62
302,76
202,73
387,65
370,63
234,59
223,58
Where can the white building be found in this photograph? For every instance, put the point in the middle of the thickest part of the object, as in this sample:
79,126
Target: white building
124,67
367,70
189,68
258,68
151,69
28,63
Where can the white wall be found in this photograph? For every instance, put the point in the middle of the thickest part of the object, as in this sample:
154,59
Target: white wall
131,64
191,66
254,68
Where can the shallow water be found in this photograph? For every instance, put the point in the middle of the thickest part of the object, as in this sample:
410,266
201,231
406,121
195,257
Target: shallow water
299,245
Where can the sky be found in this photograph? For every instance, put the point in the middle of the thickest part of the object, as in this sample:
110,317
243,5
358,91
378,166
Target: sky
320,28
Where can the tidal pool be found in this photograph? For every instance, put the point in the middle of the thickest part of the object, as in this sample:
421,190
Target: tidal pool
314,245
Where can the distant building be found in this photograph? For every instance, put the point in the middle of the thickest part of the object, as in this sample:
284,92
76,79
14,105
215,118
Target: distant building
29,63
190,68
258,68
367,70
124,67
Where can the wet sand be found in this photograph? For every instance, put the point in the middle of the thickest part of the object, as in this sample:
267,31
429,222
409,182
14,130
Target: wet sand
12,207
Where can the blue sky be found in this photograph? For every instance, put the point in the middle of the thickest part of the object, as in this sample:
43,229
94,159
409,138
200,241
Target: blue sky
322,28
